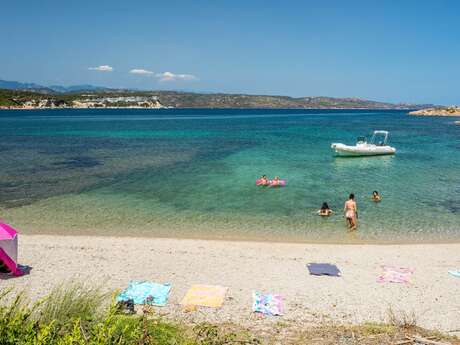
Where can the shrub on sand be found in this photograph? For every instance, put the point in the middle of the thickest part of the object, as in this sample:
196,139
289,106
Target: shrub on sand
70,301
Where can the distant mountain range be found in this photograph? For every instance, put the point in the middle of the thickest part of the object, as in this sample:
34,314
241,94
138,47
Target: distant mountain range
183,99
15,85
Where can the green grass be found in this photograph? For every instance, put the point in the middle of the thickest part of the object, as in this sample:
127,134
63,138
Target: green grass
77,314
73,300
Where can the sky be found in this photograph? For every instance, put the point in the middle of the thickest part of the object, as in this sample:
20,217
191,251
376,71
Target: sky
396,51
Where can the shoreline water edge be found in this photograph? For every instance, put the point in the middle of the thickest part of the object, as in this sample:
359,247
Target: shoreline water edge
192,174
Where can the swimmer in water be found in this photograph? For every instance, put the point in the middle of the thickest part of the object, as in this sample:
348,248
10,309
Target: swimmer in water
376,196
324,211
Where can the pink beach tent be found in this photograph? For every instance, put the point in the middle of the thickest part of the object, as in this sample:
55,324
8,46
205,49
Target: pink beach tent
9,248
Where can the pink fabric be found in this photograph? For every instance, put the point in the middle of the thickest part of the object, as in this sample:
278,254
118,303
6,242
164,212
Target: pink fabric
9,263
393,274
281,182
6,232
8,248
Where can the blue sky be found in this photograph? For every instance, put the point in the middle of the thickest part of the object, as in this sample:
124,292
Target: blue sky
399,51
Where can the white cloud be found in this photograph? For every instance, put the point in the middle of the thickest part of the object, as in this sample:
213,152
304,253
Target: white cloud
102,68
140,71
169,76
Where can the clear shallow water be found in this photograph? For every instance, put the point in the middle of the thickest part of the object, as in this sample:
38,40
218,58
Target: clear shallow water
191,173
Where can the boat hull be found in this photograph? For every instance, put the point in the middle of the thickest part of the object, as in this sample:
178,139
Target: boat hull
362,150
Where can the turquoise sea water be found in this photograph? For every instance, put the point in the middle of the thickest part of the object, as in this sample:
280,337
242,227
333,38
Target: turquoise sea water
191,173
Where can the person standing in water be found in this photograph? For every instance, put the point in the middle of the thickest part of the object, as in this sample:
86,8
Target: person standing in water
351,212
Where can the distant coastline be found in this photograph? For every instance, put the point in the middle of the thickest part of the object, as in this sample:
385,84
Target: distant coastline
120,99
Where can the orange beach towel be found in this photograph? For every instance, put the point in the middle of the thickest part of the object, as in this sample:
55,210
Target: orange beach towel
205,296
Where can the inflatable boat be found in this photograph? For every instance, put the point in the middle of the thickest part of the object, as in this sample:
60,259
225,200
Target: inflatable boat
375,147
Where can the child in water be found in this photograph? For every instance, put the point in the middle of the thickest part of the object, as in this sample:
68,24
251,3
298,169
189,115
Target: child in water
324,211
376,196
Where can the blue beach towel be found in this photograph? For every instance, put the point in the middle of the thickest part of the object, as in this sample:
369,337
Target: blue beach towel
455,273
143,292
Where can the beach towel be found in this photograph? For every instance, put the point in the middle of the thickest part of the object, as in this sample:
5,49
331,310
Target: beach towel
267,304
143,292
455,273
393,274
205,296
323,269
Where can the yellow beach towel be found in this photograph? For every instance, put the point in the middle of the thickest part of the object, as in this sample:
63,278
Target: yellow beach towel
205,296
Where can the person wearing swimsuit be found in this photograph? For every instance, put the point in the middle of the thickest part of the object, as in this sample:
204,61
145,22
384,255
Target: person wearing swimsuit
350,209
264,181
275,182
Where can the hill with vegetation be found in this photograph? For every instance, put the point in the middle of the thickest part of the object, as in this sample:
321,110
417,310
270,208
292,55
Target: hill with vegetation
176,99
14,98
222,100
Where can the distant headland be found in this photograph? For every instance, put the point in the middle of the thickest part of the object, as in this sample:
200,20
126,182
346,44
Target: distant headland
438,111
15,95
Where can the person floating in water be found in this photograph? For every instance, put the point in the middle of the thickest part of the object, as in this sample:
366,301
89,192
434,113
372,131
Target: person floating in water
324,211
376,196
351,212
275,182
264,181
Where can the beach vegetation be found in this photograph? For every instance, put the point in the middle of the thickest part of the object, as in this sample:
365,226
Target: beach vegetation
72,300
78,314
402,319
74,313
374,328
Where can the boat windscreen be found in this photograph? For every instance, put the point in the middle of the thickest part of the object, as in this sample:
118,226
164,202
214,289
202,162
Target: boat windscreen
379,139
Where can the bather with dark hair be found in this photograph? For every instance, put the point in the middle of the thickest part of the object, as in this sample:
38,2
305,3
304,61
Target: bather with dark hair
325,211
376,196
351,212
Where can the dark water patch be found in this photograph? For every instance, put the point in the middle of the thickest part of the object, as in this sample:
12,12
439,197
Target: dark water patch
51,168
78,162
64,145
451,205
7,185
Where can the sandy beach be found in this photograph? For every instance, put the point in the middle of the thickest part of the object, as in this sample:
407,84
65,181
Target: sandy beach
433,296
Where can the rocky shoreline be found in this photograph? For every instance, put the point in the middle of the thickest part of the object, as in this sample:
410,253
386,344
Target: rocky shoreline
438,111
